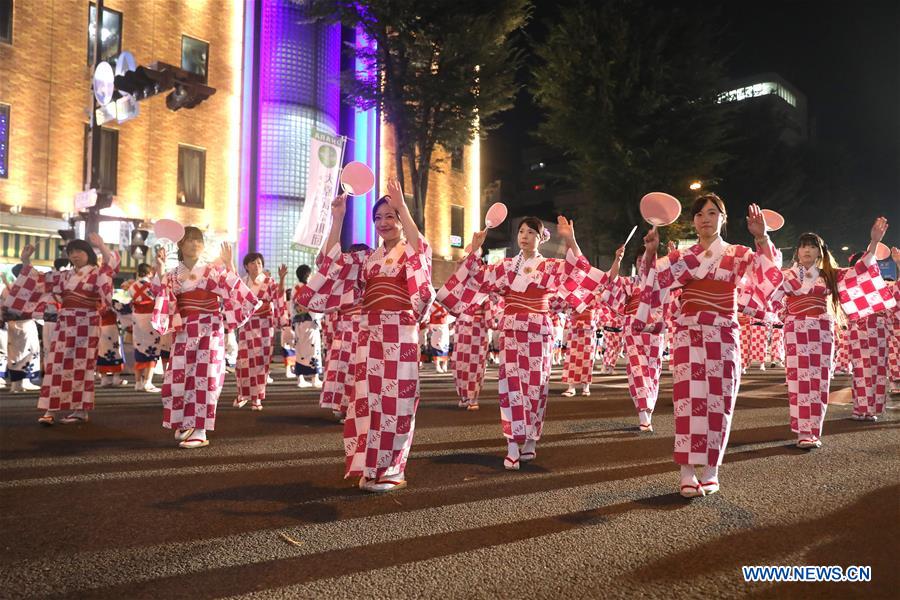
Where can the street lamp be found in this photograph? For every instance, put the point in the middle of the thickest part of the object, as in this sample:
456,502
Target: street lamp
845,248
696,185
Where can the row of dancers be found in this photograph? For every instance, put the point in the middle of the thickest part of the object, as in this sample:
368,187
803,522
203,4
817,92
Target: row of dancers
382,295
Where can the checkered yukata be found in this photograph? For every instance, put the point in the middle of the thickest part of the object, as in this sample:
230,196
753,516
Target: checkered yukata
643,349
380,422
470,348
579,360
706,342
256,338
526,343
754,342
68,382
340,375
193,381
869,303
613,339
809,337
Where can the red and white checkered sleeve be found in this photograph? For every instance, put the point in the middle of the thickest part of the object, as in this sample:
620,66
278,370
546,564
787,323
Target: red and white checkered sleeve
165,317
238,301
27,295
863,292
418,277
616,292
279,304
667,274
337,284
762,275
470,279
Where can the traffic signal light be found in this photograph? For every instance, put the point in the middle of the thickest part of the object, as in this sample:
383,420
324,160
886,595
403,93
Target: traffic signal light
145,82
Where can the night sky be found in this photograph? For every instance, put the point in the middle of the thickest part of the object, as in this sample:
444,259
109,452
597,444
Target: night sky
844,56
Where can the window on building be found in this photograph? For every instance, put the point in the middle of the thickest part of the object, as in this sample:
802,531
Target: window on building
110,34
191,176
195,56
6,21
456,159
457,226
4,141
109,158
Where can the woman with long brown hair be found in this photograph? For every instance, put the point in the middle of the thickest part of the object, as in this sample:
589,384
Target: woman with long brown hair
811,293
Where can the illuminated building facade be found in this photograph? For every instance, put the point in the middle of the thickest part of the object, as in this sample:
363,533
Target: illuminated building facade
781,95
182,165
235,165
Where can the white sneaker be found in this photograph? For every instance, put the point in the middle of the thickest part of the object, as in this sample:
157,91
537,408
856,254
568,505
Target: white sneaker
302,382
289,373
269,379
27,386
317,383
151,388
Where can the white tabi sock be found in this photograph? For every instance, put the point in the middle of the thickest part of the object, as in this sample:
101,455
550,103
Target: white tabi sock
710,474
512,450
688,475
644,417
199,434
530,446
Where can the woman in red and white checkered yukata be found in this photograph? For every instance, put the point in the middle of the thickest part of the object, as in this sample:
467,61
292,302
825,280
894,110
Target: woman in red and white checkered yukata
86,292
643,349
809,326
579,357
526,282
197,301
613,339
394,283
471,341
869,333
754,342
256,337
707,351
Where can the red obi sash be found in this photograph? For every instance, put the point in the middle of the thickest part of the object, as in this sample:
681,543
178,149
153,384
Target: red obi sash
108,318
197,302
142,308
532,300
709,295
807,306
631,307
72,299
586,316
264,309
386,294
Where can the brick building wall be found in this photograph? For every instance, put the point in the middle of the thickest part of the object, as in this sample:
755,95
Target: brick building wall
45,79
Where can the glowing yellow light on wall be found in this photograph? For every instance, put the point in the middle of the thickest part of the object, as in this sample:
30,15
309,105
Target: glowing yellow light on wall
234,133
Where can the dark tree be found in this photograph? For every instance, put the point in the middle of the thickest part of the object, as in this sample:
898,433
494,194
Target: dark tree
629,91
446,68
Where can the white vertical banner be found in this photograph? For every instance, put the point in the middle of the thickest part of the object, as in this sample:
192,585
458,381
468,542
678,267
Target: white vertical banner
326,154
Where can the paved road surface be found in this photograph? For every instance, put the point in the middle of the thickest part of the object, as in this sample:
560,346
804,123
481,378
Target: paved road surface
112,509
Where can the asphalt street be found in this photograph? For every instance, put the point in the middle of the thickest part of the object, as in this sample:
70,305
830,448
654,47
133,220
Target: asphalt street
113,509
